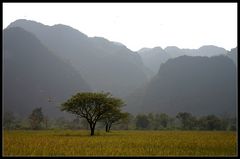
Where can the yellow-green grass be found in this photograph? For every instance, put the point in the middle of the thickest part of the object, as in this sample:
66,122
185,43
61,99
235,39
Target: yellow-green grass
119,143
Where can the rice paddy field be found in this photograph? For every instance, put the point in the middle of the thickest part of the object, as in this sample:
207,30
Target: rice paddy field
119,143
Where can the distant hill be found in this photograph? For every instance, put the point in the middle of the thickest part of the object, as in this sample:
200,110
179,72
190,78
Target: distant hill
34,76
153,58
200,85
105,65
232,54
206,50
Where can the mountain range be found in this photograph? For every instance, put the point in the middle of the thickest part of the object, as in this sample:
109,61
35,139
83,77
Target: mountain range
44,65
33,75
154,57
105,65
200,85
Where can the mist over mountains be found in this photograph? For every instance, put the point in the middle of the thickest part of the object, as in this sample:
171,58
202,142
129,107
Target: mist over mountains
103,64
153,58
200,85
233,55
33,74
43,61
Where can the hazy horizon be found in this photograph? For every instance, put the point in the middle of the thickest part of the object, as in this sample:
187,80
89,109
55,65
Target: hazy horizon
143,29
120,79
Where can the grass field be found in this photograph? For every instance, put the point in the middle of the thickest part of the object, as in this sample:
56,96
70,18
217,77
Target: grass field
119,143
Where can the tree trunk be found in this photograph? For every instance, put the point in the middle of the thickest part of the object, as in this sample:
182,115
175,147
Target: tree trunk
107,127
92,131
92,128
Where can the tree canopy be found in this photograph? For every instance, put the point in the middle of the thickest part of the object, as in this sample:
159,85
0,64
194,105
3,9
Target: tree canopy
93,106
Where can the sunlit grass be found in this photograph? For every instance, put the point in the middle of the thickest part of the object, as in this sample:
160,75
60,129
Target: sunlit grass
119,143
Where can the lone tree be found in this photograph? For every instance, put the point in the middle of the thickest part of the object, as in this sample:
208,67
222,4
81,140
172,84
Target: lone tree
91,106
113,116
36,118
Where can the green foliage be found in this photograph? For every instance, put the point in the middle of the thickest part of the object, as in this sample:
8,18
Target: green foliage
142,122
164,120
114,116
182,121
188,120
36,118
126,121
92,106
210,122
233,124
9,120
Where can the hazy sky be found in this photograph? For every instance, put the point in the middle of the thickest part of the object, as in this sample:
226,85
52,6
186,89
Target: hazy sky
138,25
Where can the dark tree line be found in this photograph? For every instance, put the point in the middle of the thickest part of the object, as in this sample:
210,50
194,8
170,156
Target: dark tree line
184,121
104,111
157,121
